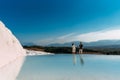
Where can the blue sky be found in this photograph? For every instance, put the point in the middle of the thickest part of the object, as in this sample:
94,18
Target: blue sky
58,21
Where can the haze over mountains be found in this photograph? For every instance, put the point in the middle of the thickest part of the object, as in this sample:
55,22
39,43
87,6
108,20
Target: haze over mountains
101,43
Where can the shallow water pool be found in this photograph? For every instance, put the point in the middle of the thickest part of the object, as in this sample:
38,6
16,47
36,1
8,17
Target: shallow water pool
71,67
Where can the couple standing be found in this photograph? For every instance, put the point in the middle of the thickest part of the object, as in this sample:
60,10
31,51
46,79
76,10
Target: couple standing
80,48
80,52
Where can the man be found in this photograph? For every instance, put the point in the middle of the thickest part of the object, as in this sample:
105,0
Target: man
73,48
80,48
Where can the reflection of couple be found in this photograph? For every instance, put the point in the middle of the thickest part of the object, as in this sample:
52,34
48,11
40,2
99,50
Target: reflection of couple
80,52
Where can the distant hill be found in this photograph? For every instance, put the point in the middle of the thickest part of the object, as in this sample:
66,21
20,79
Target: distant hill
102,47
101,43
97,44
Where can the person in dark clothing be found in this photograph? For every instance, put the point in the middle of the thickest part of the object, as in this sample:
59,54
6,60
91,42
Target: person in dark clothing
80,53
80,48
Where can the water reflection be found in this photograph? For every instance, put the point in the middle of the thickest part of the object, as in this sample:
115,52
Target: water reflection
60,67
81,59
75,59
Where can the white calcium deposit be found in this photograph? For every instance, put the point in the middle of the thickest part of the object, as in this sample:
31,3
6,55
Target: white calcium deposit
11,54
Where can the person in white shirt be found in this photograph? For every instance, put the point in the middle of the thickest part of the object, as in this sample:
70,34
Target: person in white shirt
73,48
74,51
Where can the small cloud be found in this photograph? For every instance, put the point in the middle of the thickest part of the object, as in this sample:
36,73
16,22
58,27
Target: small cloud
61,39
66,36
99,35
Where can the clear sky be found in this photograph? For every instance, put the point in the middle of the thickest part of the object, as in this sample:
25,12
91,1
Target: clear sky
58,21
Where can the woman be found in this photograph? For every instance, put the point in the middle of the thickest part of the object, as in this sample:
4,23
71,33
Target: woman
73,48
74,51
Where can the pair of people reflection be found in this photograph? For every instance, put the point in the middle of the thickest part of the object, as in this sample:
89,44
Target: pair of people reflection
75,59
79,53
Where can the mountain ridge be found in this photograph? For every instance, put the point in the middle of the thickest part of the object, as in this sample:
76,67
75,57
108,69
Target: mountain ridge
89,44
